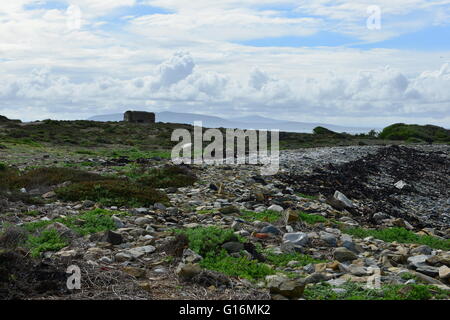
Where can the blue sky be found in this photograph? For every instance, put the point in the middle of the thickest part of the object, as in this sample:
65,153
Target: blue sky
308,60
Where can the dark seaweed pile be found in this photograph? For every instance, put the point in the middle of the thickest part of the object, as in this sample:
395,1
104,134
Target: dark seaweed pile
371,179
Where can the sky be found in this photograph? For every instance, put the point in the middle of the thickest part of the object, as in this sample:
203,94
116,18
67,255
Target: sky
353,63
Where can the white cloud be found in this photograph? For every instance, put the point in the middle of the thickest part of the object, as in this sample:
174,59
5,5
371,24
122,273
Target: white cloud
51,71
178,83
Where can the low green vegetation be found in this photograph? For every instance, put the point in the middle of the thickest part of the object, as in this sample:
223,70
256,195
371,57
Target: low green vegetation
400,235
311,218
135,153
356,291
86,223
415,133
236,267
11,178
307,196
266,215
168,176
41,240
206,239
47,240
207,242
112,193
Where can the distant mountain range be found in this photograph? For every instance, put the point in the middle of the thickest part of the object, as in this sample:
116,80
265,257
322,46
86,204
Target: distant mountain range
247,122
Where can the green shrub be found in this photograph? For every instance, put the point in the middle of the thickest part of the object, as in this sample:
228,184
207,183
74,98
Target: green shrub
207,239
168,176
93,221
236,267
400,235
38,177
48,240
112,192
428,133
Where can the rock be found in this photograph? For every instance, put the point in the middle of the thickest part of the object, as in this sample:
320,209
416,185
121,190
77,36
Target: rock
309,268
296,238
276,208
342,254
271,229
340,201
112,237
400,184
317,277
328,238
380,216
87,204
187,271
281,285
138,252
417,261
140,210
444,272
357,270
289,247
426,279
159,206
189,256
428,270
424,249
48,195
441,259
117,222
135,272
290,216
123,256
233,247
62,230
142,221
229,210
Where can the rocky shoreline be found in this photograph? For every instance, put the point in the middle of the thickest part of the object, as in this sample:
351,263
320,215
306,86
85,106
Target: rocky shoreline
316,197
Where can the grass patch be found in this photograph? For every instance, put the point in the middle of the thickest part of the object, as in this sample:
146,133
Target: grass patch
306,196
311,218
207,242
400,235
267,215
112,193
93,221
48,240
355,291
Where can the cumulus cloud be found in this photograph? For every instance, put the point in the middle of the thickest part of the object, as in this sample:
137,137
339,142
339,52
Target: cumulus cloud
178,83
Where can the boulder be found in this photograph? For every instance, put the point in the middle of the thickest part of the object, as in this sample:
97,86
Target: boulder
289,288
342,254
296,238
276,208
